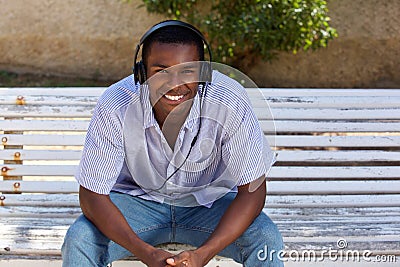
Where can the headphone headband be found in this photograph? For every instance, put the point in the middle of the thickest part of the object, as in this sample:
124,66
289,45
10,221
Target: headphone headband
139,70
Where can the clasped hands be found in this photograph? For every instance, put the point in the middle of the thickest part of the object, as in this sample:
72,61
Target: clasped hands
187,258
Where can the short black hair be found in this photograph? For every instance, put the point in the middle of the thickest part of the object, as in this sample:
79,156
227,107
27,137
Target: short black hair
173,35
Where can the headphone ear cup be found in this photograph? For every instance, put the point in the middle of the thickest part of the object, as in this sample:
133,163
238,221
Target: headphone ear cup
136,72
140,72
206,72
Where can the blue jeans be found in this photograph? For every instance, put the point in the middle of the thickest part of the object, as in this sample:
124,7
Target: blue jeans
156,223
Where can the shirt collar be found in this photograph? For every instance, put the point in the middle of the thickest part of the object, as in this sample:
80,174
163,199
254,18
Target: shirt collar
148,116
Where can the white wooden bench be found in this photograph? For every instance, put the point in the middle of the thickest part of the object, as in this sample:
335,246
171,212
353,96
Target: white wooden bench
337,175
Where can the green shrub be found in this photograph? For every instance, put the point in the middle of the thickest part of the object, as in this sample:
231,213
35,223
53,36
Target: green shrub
242,31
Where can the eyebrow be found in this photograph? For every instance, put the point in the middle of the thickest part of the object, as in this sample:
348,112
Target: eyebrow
190,66
159,66
187,66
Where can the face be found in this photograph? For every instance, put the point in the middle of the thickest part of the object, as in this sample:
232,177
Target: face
173,75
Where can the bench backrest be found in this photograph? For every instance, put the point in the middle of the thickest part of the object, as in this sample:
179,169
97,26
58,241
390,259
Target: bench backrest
342,143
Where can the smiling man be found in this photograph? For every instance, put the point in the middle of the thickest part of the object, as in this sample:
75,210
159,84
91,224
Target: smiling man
173,153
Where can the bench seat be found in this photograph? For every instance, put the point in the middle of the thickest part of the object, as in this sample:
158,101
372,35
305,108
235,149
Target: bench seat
335,185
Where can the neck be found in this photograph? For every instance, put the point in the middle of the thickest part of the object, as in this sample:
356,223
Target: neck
171,123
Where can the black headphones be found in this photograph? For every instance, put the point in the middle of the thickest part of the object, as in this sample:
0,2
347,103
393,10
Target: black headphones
139,70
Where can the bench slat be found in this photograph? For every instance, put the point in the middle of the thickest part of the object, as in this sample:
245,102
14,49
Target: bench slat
287,216
283,126
333,187
38,212
259,101
272,201
286,126
282,93
288,223
330,172
276,173
58,111
334,214
336,157
324,92
328,102
52,155
327,114
384,140
61,111
330,201
39,186
274,187
44,125
44,139
40,170
96,91
58,91
42,200
49,100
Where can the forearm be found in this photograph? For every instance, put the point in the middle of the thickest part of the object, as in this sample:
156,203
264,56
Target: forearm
100,210
236,219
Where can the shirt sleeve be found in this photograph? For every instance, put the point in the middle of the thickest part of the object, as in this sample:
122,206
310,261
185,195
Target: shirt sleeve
246,151
103,152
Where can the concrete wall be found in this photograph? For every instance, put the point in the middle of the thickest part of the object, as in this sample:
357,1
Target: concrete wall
366,54
89,38
97,38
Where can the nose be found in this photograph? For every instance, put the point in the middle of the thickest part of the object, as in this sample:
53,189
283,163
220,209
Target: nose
174,79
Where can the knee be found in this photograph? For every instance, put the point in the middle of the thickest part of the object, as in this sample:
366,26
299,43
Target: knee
267,234
81,233
268,245
84,245
271,237
76,232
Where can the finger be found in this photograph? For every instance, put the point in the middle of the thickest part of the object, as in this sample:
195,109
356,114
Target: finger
171,262
178,259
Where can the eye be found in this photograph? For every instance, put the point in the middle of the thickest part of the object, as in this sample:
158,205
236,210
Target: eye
161,71
188,71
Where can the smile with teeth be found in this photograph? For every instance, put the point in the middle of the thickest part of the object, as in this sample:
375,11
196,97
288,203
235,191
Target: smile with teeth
174,97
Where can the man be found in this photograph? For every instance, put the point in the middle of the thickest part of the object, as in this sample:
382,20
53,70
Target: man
173,155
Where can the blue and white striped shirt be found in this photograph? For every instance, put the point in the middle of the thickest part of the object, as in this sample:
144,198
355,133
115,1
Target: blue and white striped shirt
125,150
